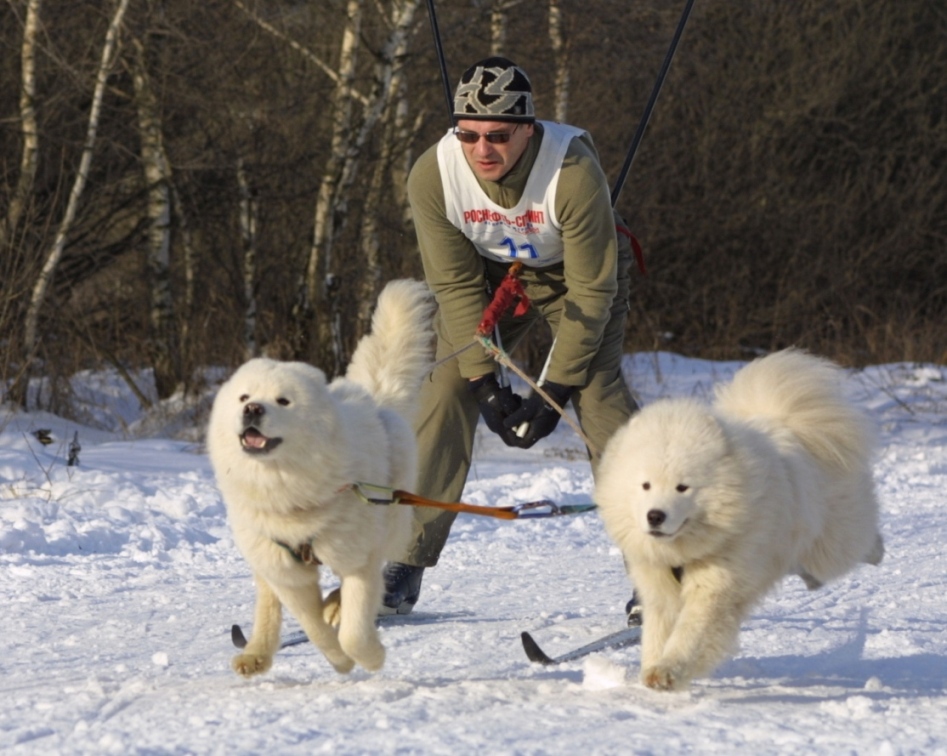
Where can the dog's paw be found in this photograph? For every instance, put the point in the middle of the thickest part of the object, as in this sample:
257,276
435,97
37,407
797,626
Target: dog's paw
249,665
660,677
341,663
372,658
332,608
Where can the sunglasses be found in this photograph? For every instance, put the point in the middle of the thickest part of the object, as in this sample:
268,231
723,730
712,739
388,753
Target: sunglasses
493,137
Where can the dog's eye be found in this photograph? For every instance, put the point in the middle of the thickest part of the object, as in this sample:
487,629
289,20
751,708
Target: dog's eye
282,402
681,488
244,397
646,486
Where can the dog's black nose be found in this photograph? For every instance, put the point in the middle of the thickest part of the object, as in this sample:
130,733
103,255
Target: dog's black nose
656,517
251,411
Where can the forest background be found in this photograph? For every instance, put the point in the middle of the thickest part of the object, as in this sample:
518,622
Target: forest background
186,184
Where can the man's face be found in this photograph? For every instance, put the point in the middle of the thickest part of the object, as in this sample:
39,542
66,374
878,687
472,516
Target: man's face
492,161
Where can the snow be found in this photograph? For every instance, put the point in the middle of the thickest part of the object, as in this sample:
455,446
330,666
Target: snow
119,581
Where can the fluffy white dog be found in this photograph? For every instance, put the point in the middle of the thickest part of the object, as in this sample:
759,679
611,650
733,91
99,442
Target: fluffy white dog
712,506
286,447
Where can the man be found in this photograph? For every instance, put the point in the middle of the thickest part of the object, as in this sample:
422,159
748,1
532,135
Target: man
503,187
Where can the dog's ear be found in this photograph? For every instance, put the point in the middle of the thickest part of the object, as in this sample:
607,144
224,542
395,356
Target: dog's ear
308,372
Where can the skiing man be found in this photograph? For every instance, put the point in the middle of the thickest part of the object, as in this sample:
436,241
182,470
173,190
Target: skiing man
504,187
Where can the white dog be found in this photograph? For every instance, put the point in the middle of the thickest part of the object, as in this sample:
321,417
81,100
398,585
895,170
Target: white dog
286,447
712,506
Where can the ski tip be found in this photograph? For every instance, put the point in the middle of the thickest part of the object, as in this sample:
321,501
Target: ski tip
533,652
237,636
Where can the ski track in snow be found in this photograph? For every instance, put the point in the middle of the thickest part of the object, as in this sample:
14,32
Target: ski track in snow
119,582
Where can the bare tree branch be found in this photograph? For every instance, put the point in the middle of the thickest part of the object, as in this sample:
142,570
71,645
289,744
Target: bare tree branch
82,174
336,76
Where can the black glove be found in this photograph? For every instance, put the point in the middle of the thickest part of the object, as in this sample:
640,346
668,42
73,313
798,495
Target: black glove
495,405
542,418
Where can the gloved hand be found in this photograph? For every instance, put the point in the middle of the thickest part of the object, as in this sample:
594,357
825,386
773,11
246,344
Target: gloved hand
542,418
495,404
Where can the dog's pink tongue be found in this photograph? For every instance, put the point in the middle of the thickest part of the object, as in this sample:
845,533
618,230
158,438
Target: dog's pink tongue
255,439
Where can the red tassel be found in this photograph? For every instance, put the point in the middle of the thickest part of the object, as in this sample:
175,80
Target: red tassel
510,293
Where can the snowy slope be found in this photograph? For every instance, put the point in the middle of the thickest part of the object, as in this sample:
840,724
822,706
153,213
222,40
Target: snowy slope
119,582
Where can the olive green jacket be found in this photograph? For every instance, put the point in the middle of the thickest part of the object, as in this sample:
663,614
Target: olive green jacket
586,277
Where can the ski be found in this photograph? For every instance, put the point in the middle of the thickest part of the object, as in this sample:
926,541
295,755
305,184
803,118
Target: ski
293,639
619,639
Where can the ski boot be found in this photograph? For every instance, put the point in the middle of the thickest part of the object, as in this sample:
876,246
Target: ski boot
402,588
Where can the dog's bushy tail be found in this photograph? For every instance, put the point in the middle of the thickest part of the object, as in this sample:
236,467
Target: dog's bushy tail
395,357
803,393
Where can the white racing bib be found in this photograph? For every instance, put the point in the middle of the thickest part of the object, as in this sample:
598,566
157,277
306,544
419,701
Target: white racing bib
529,231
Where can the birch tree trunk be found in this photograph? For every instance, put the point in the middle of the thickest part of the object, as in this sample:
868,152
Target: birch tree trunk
560,53
498,27
404,130
41,287
499,18
320,279
186,308
163,347
248,238
15,275
28,128
391,98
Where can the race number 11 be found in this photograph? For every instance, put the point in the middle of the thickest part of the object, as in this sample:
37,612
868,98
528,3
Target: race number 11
523,250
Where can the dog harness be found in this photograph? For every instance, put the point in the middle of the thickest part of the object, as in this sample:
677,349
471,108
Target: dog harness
303,553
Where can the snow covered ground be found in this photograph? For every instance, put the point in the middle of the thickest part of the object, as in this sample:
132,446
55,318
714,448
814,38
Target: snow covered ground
119,581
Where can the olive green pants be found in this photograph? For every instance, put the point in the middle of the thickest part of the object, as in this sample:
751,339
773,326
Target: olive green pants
448,414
